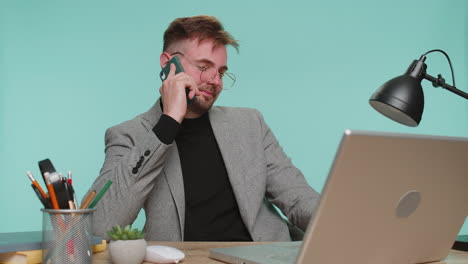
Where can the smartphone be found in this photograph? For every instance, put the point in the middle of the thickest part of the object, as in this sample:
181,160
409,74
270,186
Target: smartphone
165,72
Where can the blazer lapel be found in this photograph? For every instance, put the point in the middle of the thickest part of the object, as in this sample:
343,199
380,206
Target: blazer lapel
231,155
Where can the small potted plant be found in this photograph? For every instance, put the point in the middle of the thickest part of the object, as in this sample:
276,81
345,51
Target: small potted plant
127,246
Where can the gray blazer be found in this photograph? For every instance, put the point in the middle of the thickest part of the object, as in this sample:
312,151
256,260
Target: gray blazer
146,173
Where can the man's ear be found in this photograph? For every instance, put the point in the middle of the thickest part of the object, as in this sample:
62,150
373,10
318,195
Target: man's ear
164,59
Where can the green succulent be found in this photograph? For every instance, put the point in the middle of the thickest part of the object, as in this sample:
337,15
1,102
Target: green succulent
126,233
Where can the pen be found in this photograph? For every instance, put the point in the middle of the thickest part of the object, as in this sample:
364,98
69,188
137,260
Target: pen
73,194
69,177
69,196
87,200
70,184
52,195
71,205
101,193
36,184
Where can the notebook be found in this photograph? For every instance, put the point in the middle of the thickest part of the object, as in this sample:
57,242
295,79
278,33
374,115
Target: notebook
389,198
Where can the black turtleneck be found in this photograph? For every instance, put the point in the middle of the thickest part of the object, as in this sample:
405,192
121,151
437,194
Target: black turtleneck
211,210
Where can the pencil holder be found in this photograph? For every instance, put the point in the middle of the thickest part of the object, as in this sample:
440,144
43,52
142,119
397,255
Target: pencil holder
67,236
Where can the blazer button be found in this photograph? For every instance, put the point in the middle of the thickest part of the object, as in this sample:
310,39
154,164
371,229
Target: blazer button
135,170
141,159
147,153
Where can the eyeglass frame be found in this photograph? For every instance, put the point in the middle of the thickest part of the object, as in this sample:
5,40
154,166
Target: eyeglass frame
203,69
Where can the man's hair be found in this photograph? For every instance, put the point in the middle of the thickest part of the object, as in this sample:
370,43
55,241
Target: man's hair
201,27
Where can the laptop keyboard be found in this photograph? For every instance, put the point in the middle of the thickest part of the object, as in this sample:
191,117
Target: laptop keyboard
288,257
286,252
276,253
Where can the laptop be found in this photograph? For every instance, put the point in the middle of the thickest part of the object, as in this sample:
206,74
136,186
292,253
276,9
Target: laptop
389,198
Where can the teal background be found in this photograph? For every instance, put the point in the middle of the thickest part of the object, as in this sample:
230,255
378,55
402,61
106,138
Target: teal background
71,69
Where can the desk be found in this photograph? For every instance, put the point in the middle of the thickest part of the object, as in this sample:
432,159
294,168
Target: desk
197,252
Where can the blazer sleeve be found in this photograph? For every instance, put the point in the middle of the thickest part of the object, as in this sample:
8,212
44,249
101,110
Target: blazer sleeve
286,186
134,158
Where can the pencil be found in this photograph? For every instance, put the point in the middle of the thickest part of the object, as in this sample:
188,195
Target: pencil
35,183
88,199
53,196
100,194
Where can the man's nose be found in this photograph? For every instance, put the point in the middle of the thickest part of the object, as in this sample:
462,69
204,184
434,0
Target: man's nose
216,80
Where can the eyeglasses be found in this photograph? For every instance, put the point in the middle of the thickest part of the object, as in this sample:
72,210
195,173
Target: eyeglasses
208,73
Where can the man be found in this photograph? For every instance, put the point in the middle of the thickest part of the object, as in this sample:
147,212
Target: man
200,172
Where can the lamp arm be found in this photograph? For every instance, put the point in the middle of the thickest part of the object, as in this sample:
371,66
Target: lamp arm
439,81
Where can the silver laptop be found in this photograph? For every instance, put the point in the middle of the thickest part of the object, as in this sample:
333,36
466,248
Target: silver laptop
389,198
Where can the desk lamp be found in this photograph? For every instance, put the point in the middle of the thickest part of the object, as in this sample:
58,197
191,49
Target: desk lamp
402,100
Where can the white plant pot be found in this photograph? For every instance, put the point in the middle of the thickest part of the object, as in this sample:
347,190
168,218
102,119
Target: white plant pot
127,251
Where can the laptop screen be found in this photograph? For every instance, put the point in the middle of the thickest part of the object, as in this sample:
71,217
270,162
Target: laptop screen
389,198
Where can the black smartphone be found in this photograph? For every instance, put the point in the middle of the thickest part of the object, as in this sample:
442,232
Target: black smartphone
165,72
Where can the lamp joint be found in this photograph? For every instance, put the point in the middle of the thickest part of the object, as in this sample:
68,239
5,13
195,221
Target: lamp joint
439,82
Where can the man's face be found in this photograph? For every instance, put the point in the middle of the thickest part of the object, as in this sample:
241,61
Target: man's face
198,56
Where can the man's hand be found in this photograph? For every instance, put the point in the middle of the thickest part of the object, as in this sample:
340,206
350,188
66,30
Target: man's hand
173,93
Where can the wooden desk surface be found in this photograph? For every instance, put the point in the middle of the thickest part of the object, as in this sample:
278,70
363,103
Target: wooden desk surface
197,252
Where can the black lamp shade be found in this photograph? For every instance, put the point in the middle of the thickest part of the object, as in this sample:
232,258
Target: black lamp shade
400,99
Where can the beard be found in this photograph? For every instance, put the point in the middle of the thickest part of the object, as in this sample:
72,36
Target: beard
202,104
